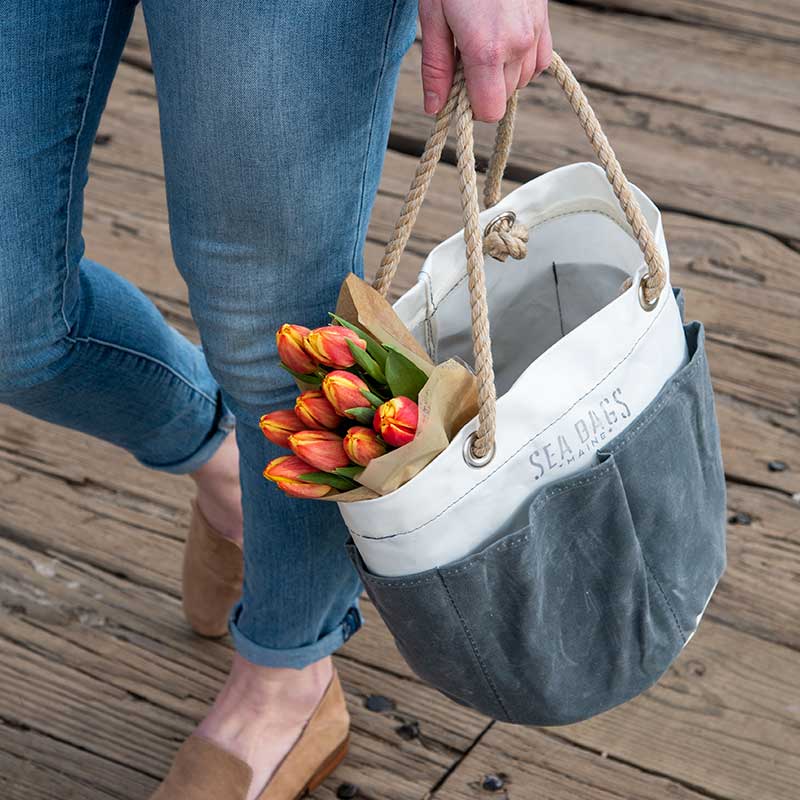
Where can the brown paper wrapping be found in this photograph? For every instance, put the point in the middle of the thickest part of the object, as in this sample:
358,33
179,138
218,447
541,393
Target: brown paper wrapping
447,402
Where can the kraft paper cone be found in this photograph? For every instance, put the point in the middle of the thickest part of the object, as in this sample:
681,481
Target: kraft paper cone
446,403
362,305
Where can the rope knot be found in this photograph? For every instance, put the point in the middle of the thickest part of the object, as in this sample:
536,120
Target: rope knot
504,237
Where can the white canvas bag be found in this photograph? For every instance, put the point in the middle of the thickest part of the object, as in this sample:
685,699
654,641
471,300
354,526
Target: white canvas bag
572,363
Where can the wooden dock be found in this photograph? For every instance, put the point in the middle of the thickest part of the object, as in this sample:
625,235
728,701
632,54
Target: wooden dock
100,680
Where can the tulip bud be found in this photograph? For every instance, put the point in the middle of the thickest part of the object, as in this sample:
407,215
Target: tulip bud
329,345
291,348
278,426
344,391
286,471
322,449
316,412
396,421
362,445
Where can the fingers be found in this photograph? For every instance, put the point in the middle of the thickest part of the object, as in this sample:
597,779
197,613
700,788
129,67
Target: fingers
486,87
438,57
493,71
527,70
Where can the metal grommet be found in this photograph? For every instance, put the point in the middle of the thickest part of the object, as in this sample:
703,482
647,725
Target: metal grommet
507,216
643,300
471,459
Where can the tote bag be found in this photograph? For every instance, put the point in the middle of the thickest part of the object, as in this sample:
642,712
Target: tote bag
556,558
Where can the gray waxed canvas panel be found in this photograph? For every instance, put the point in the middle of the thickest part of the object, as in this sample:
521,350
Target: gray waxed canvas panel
588,604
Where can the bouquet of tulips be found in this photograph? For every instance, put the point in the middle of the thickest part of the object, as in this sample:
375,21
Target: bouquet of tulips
367,392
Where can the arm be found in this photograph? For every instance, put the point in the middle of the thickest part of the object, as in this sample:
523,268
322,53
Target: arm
503,44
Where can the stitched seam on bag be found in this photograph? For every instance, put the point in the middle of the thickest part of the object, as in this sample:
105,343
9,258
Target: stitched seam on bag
474,646
646,419
664,596
522,447
540,501
531,228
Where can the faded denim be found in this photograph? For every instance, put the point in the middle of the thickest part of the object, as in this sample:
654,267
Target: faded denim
274,122
587,605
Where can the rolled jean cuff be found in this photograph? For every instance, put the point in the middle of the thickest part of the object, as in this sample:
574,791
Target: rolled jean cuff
224,423
296,657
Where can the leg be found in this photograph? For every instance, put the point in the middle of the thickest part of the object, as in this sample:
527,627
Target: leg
274,118
82,347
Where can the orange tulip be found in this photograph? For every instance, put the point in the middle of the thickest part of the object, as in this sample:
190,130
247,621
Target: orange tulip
278,426
290,340
328,345
322,449
285,471
362,445
314,409
343,390
396,421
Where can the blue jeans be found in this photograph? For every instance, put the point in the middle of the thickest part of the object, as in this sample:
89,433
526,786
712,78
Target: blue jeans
274,122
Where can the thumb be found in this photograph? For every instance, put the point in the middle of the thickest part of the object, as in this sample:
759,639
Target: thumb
438,56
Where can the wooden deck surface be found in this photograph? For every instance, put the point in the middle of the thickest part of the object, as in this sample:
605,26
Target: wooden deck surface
100,680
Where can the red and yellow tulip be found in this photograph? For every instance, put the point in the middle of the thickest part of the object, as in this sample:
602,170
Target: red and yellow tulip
344,391
278,426
362,445
315,411
291,348
328,345
322,449
396,421
285,471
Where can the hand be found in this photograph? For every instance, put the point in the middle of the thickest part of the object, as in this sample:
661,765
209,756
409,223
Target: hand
503,44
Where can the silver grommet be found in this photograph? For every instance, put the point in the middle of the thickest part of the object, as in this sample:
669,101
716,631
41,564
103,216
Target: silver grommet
470,457
643,300
507,216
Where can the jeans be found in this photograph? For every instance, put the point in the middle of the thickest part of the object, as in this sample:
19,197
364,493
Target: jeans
274,122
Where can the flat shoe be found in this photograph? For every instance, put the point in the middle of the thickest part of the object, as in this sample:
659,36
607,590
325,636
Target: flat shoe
204,771
212,577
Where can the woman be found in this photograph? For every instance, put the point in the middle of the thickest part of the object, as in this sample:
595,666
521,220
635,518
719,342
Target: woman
274,120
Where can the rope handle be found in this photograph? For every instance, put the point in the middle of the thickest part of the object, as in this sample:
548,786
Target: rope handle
458,106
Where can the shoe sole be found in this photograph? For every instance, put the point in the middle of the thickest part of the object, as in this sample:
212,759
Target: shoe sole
327,767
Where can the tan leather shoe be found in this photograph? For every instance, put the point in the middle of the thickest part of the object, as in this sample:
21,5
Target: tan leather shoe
212,577
204,771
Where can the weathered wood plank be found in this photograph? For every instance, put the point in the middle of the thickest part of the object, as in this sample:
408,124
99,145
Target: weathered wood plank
534,764
744,76
731,701
37,767
779,20
118,675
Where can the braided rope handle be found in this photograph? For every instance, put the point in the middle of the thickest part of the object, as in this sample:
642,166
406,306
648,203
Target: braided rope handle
458,106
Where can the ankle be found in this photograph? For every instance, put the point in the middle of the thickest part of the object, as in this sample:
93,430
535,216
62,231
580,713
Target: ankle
258,698
219,494
267,688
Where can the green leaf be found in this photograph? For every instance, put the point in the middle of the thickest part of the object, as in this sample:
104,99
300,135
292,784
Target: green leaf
373,398
404,377
329,479
366,362
375,349
311,378
349,472
362,415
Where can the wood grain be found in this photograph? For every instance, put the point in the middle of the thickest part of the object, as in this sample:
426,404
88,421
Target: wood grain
777,20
